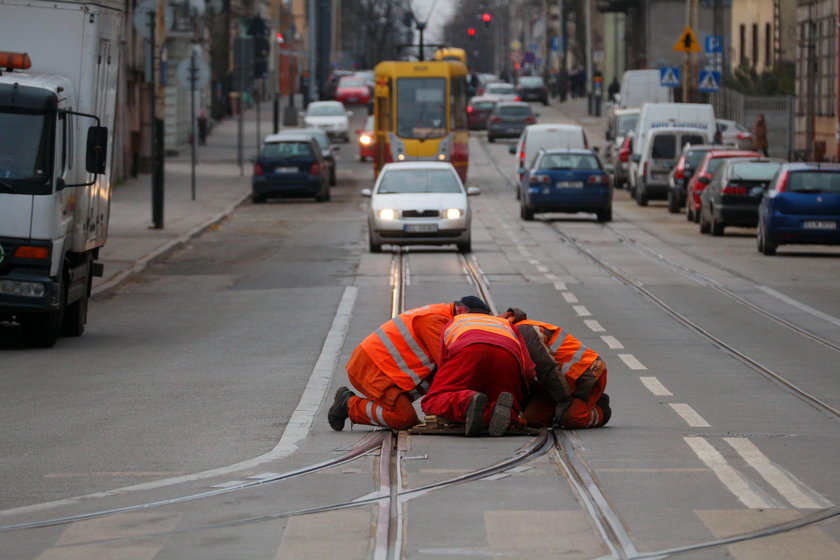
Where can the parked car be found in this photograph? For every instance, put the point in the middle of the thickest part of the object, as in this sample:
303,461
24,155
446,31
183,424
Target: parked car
352,90
367,140
621,123
664,146
621,167
331,116
705,169
478,110
682,172
509,119
290,165
327,149
734,133
502,91
419,203
547,136
532,88
801,206
566,181
734,193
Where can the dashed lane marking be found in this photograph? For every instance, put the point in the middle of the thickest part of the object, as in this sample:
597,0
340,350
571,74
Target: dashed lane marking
631,361
582,311
612,342
594,325
655,387
691,417
570,297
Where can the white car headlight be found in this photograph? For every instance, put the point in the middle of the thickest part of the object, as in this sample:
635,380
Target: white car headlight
387,214
453,213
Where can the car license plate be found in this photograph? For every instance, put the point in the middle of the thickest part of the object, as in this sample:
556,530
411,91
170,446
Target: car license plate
569,184
420,228
819,224
286,170
352,100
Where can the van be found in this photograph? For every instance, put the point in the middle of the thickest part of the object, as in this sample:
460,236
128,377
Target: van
642,86
546,136
662,150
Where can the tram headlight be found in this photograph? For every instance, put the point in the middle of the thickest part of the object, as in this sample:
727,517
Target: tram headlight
453,213
387,214
401,157
441,157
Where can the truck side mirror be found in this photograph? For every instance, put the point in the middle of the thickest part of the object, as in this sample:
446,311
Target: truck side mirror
97,150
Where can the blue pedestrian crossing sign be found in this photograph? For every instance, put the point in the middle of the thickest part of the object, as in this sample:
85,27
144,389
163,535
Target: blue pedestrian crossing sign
708,81
669,76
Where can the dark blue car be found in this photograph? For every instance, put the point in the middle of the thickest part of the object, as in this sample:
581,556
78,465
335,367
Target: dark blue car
290,165
566,181
801,206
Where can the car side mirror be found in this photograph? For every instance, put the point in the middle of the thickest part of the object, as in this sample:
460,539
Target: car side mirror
366,192
512,149
704,180
637,158
473,191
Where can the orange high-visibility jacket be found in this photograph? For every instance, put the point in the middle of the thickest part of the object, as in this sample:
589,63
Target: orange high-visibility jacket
406,347
569,352
472,328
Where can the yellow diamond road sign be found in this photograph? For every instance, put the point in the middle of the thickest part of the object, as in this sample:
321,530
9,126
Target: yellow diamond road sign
687,42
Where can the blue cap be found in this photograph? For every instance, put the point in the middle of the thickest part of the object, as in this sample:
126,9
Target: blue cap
474,304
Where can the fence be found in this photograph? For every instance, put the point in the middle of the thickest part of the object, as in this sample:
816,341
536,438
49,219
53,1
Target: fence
778,111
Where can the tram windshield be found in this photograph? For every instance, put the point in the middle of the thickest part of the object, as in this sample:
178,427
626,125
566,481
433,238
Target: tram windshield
421,107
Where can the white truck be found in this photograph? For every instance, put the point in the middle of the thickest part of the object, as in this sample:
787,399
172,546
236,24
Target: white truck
59,64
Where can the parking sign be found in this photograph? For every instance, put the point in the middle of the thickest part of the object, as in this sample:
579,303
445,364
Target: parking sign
714,44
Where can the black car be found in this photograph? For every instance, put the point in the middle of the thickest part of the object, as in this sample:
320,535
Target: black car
327,148
734,194
532,88
290,165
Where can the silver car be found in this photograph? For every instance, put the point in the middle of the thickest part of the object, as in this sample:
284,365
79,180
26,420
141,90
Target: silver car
419,203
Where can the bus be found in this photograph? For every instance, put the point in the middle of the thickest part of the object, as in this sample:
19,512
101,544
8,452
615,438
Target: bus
420,113
451,53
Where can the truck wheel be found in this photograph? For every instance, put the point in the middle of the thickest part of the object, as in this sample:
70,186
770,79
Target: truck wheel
75,315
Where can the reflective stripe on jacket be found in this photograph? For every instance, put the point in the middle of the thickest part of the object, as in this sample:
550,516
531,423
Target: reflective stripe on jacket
574,358
399,352
478,328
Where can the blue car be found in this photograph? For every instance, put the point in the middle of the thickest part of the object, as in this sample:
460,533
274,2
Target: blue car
290,165
801,206
566,181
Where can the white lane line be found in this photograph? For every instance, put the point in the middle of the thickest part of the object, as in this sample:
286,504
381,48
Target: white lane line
746,494
794,491
559,286
534,261
656,387
582,311
691,417
631,361
542,268
296,430
550,276
594,325
612,342
570,297
801,306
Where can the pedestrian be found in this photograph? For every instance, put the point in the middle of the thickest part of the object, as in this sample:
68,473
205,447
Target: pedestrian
759,134
571,378
391,368
718,139
483,374
613,89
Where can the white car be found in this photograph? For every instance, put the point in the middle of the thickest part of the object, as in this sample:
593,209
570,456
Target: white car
330,116
419,203
501,91
735,133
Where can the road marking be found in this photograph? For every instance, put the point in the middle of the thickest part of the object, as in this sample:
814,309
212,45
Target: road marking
570,297
594,325
612,342
542,268
655,387
534,261
794,491
581,311
730,478
550,276
631,361
559,286
690,415
801,306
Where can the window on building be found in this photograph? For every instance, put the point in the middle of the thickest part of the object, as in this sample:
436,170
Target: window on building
768,46
742,44
755,44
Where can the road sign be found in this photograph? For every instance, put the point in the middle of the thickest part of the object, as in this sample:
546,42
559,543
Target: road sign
669,76
708,81
687,42
193,73
714,44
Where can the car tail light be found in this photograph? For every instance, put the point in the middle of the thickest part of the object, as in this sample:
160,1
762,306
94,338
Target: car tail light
518,98
597,179
540,178
496,119
624,153
530,120
734,190
679,174
315,169
258,170
743,136
470,109
644,169
782,183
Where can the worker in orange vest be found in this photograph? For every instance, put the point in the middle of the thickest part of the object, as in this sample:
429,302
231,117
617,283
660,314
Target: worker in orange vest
484,372
571,377
392,368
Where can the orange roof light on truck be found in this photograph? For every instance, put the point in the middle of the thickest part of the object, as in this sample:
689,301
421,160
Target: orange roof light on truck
14,61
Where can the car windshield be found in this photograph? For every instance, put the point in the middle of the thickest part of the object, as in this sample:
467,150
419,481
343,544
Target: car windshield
421,107
351,82
283,150
568,161
325,110
25,147
754,171
515,110
500,88
626,123
401,181
814,182
483,105
530,81
694,157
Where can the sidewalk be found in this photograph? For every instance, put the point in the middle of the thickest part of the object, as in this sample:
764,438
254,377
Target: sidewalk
220,187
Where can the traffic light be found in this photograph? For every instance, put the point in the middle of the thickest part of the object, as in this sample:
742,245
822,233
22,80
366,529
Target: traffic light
258,29
471,32
280,39
486,18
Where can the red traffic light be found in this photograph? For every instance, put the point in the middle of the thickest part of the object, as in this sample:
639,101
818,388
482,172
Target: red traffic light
486,18
471,31
280,39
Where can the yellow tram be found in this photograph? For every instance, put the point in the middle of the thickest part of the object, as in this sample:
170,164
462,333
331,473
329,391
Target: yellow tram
451,53
420,113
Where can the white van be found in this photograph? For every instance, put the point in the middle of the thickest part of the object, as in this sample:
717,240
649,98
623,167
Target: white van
662,150
642,86
538,136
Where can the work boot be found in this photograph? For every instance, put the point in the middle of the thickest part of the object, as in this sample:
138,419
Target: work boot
502,412
604,404
475,415
339,411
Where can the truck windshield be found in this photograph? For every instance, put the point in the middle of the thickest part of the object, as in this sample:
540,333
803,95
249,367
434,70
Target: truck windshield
25,154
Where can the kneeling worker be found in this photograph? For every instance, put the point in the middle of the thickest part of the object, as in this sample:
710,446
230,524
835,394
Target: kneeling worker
571,377
392,367
484,371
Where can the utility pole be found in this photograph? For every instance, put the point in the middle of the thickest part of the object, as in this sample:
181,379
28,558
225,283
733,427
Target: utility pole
158,109
313,47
